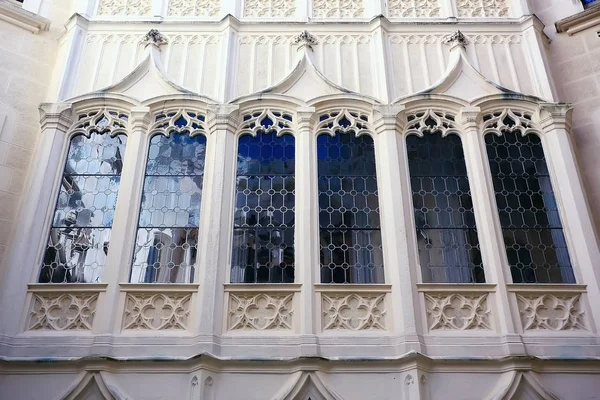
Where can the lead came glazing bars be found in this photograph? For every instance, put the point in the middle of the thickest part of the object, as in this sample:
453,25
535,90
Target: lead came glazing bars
167,237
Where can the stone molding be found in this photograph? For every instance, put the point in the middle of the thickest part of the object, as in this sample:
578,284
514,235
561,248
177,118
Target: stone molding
14,14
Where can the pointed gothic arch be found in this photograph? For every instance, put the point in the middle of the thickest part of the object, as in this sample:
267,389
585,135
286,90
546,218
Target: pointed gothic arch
306,386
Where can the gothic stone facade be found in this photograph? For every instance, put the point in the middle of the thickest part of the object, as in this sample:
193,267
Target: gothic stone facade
299,199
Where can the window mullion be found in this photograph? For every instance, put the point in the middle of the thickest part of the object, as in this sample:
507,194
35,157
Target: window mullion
125,220
493,251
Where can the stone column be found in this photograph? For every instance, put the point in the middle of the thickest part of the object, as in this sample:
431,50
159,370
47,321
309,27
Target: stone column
217,207
555,121
394,199
30,234
123,234
489,232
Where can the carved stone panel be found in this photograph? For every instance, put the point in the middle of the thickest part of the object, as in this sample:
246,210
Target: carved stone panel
62,311
269,8
194,8
355,312
551,312
157,311
482,8
457,311
125,7
338,8
263,311
413,8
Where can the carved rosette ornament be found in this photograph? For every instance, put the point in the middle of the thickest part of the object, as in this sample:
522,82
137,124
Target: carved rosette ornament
551,312
62,311
305,39
457,312
353,312
155,38
260,311
156,312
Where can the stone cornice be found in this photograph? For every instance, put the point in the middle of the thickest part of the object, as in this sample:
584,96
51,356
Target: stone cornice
581,21
14,14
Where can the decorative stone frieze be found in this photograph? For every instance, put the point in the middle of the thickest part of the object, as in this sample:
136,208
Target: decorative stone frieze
157,311
454,311
413,8
553,312
194,8
125,8
262,311
338,8
355,311
59,311
482,8
269,8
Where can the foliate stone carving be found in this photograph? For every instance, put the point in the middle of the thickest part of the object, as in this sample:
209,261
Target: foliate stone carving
100,121
507,120
431,121
475,39
269,8
551,312
62,311
194,8
413,8
338,8
154,37
266,120
264,311
482,8
125,7
343,121
356,312
306,39
457,311
456,37
178,121
157,311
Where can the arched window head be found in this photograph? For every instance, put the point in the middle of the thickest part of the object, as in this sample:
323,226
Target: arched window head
349,226
81,225
167,237
443,209
263,224
531,227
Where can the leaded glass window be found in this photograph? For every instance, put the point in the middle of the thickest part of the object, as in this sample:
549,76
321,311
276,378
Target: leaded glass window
263,225
443,208
81,226
167,237
533,235
349,226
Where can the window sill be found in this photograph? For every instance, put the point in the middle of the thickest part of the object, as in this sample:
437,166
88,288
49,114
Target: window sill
588,18
14,14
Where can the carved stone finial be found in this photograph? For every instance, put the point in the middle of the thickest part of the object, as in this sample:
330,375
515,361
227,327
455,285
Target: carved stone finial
306,39
155,38
456,38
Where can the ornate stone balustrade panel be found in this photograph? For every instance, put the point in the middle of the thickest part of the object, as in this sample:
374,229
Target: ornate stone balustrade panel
58,307
458,307
353,308
483,8
338,8
132,8
194,8
269,8
261,308
157,307
414,8
551,309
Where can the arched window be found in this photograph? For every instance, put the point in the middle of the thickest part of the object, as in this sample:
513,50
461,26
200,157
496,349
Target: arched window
167,236
80,233
349,227
533,235
443,208
263,225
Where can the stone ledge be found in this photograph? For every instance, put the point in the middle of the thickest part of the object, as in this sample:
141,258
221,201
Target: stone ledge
588,18
14,14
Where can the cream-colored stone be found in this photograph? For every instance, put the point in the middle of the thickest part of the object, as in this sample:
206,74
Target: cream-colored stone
18,157
17,182
8,206
5,231
25,136
5,177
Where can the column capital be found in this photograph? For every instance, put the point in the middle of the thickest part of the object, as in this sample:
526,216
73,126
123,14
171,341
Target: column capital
139,119
388,117
222,117
554,116
56,116
467,117
305,117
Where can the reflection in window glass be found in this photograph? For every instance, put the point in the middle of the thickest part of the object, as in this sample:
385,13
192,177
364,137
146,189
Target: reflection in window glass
349,226
531,226
263,226
443,209
167,236
83,217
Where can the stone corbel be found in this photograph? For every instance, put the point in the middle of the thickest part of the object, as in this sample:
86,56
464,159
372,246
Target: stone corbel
555,116
56,116
306,117
222,117
389,117
468,118
140,119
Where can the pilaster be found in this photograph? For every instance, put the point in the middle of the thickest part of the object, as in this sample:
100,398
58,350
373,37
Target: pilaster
488,223
219,189
123,234
394,191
